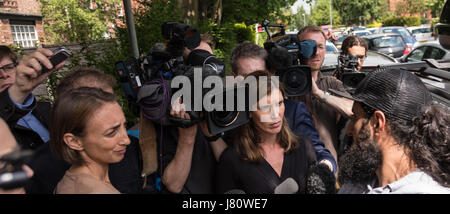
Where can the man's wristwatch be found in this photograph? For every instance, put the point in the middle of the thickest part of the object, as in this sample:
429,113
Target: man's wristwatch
325,96
214,137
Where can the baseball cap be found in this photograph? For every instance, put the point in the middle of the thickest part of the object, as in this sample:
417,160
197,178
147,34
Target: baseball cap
397,93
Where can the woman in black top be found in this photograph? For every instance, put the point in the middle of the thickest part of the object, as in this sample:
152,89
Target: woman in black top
266,154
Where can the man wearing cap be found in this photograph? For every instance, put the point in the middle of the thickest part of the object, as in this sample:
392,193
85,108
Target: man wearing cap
400,138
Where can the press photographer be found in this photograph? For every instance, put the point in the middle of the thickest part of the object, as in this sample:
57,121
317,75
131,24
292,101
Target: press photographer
187,155
325,108
351,60
13,173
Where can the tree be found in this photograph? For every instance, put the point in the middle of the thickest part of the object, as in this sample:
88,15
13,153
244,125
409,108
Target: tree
321,13
351,11
300,20
410,7
75,21
435,6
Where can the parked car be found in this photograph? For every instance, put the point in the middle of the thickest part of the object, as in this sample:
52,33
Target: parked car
361,33
407,36
422,34
372,60
338,33
374,30
338,43
429,50
330,47
391,44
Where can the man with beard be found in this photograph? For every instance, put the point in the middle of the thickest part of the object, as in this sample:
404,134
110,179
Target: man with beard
326,109
400,138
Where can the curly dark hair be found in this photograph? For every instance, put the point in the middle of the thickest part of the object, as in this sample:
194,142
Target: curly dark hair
427,140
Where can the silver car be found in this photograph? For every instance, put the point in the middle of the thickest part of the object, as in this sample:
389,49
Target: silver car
422,34
429,50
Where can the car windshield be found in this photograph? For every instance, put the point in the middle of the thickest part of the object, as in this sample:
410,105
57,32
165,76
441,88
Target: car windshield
387,41
421,30
341,39
400,31
359,34
331,48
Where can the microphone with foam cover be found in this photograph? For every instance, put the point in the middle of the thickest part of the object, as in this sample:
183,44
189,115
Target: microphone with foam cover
235,191
288,186
320,180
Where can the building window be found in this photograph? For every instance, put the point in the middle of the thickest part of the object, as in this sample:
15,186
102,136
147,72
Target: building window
24,35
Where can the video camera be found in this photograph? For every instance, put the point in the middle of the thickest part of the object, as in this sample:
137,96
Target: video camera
147,80
347,71
12,175
285,52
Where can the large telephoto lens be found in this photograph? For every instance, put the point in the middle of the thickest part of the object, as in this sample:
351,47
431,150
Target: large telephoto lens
296,80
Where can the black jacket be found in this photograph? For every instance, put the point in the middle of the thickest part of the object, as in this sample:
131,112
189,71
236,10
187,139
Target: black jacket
48,170
25,137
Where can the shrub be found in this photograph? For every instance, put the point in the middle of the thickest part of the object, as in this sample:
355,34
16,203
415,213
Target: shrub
402,21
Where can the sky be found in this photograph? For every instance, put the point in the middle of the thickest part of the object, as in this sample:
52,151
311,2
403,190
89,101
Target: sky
298,4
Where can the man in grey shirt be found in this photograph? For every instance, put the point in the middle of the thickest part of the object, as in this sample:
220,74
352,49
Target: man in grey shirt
400,138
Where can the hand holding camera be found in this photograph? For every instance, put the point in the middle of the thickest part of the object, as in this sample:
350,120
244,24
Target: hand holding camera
178,110
33,70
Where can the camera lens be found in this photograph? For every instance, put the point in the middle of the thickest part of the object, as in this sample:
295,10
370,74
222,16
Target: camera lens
224,118
295,82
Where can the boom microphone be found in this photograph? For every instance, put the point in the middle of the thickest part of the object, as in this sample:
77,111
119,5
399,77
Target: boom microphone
279,59
235,191
288,186
320,180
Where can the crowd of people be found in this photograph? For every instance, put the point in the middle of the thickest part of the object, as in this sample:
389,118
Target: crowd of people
399,137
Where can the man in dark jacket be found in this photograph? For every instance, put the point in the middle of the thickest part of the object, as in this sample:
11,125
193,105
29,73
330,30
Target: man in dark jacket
26,117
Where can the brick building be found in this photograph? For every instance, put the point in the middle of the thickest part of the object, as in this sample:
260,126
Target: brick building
21,23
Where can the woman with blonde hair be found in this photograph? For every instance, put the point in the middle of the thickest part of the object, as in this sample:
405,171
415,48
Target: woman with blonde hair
265,152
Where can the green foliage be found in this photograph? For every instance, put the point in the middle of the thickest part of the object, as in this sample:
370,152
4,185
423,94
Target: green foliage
434,21
73,21
435,6
300,20
254,11
374,24
148,19
401,21
321,13
351,11
227,36
410,7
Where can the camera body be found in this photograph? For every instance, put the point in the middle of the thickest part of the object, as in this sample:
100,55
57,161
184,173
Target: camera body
284,57
59,55
347,63
147,80
12,176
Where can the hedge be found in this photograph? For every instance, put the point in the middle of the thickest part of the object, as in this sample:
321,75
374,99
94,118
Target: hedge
402,21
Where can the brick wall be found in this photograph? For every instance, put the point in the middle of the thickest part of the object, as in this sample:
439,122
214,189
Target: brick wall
22,6
31,7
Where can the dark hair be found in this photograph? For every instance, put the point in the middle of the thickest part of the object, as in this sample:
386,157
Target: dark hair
78,76
351,41
311,29
247,137
70,114
246,50
427,140
5,51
